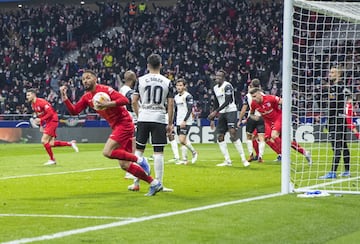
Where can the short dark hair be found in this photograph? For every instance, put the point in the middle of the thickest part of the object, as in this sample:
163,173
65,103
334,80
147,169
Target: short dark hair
32,90
90,71
154,60
222,71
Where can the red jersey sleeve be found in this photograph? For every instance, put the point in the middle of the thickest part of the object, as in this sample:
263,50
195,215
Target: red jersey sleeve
119,98
75,109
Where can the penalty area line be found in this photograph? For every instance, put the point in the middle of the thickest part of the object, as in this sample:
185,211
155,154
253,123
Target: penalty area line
136,220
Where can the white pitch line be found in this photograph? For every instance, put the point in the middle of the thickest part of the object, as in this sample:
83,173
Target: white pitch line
63,216
70,172
135,220
56,173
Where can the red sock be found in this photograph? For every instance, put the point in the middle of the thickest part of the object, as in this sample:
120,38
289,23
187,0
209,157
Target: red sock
49,151
61,144
138,172
274,146
297,147
123,155
256,146
357,134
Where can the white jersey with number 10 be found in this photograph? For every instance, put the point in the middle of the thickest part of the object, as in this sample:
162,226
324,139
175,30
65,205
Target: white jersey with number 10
153,89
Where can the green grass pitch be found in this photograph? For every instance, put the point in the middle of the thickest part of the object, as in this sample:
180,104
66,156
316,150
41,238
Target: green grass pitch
84,199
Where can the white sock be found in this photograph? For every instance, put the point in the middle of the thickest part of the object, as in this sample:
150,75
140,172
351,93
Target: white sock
250,147
184,152
224,150
175,149
261,148
191,148
240,149
159,166
139,155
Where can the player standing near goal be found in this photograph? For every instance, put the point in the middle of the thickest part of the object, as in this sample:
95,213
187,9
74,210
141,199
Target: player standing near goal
224,104
269,107
119,144
255,129
337,124
128,90
184,102
154,92
48,121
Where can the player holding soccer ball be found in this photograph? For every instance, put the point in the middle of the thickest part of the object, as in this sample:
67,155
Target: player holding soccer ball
48,121
119,144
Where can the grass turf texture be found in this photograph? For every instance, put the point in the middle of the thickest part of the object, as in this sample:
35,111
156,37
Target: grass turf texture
87,184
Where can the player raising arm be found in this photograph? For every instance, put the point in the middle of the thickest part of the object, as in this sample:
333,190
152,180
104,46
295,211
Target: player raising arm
119,144
48,121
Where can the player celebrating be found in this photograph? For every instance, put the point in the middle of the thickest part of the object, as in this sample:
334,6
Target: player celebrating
184,103
226,107
48,120
154,92
119,144
269,108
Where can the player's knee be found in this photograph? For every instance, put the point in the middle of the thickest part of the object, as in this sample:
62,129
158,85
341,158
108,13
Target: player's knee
182,140
106,153
171,137
220,138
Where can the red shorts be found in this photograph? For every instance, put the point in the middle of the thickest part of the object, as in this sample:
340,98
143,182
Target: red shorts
124,135
50,128
270,126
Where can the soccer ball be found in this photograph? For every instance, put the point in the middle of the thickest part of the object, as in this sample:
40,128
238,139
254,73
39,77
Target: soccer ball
99,98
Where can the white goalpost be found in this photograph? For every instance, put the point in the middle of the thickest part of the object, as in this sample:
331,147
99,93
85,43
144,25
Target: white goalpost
318,36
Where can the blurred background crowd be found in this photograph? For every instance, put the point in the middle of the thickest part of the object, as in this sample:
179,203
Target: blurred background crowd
47,46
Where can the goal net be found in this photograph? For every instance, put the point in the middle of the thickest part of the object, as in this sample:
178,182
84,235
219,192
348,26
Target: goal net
325,35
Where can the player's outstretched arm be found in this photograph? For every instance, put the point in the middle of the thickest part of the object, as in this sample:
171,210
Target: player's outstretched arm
73,109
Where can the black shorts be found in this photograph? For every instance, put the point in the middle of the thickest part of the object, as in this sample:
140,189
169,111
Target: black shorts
226,121
253,124
183,131
157,131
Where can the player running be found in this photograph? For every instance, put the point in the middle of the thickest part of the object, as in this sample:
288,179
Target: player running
48,121
119,144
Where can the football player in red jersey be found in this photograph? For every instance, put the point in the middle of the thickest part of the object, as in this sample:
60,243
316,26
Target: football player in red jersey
349,114
119,144
269,107
48,121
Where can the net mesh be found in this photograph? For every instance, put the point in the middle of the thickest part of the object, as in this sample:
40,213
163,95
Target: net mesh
325,34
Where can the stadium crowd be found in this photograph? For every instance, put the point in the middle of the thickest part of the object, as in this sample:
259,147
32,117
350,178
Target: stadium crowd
194,38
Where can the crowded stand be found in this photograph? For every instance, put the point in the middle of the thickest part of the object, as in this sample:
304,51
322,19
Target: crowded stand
48,46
